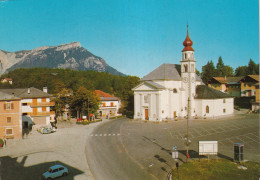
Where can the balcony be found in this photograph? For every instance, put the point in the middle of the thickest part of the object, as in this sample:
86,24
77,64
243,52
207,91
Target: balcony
42,113
43,104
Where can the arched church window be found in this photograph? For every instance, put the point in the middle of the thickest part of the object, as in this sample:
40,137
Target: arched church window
207,109
185,56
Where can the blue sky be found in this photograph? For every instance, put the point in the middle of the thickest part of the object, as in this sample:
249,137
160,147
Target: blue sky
136,36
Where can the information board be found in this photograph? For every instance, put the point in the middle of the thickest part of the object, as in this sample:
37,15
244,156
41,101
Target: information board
208,147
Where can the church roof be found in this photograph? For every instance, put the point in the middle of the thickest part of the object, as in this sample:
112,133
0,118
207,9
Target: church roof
205,92
166,72
187,43
156,85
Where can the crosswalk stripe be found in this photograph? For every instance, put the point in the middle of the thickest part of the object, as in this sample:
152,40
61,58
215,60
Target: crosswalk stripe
105,135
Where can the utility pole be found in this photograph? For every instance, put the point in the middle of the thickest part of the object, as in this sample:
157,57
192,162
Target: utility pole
189,112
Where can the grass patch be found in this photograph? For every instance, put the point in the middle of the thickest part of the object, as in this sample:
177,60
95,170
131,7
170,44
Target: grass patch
217,170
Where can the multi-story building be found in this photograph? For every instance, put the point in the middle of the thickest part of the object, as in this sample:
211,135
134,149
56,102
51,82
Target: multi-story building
230,85
248,87
10,116
109,105
35,105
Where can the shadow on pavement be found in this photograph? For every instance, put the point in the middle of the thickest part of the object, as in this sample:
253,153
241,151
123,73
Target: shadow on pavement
11,169
162,148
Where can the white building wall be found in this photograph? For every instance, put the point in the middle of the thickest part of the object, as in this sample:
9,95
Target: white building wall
28,107
217,107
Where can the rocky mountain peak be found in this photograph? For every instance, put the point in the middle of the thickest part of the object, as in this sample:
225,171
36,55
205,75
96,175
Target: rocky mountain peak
67,56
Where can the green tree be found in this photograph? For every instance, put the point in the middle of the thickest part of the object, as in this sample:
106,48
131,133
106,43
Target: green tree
208,71
84,102
227,71
252,68
62,100
220,66
241,71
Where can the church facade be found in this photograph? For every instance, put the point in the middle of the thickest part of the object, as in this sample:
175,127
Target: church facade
175,91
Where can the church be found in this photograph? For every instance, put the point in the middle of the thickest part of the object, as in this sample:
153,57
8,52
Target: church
174,91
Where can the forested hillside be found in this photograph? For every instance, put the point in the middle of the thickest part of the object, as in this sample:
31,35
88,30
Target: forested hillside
56,79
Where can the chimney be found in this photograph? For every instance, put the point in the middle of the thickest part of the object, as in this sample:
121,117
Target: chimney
29,90
45,89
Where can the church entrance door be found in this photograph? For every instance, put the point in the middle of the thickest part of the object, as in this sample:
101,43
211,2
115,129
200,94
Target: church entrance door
174,114
146,114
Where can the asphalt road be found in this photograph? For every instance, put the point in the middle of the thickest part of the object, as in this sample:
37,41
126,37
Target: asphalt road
107,156
125,149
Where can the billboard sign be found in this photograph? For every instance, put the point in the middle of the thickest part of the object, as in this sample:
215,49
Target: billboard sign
208,147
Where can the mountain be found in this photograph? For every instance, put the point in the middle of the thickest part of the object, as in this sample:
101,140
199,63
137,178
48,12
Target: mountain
66,56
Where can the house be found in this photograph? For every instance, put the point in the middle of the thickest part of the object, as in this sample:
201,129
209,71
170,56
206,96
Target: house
230,85
175,91
248,87
35,105
10,116
109,105
256,104
7,80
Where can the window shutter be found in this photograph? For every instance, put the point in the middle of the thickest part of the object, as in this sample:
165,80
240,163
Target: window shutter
4,106
12,105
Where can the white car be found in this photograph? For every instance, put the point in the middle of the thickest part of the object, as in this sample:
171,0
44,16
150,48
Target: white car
55,171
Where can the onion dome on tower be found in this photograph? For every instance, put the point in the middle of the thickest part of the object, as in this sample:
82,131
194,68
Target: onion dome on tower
187,42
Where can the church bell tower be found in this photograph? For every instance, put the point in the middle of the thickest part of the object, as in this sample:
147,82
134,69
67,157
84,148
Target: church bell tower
188,73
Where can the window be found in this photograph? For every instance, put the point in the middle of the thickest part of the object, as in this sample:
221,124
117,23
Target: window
24,114
8,106
104,104
24,104
9,119
224,100
207,109
224,110
112,104
55,170
186,68
9,131
174,90
61,168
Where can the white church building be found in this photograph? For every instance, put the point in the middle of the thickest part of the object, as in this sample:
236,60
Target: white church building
175,91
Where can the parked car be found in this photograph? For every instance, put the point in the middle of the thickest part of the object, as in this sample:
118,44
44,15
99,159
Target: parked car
55,171
46,130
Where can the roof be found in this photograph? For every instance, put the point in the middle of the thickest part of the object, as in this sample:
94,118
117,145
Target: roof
255,77
105,96
250,78
205,92
5,96
187,43
156,85
166,72
26,93
227,80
